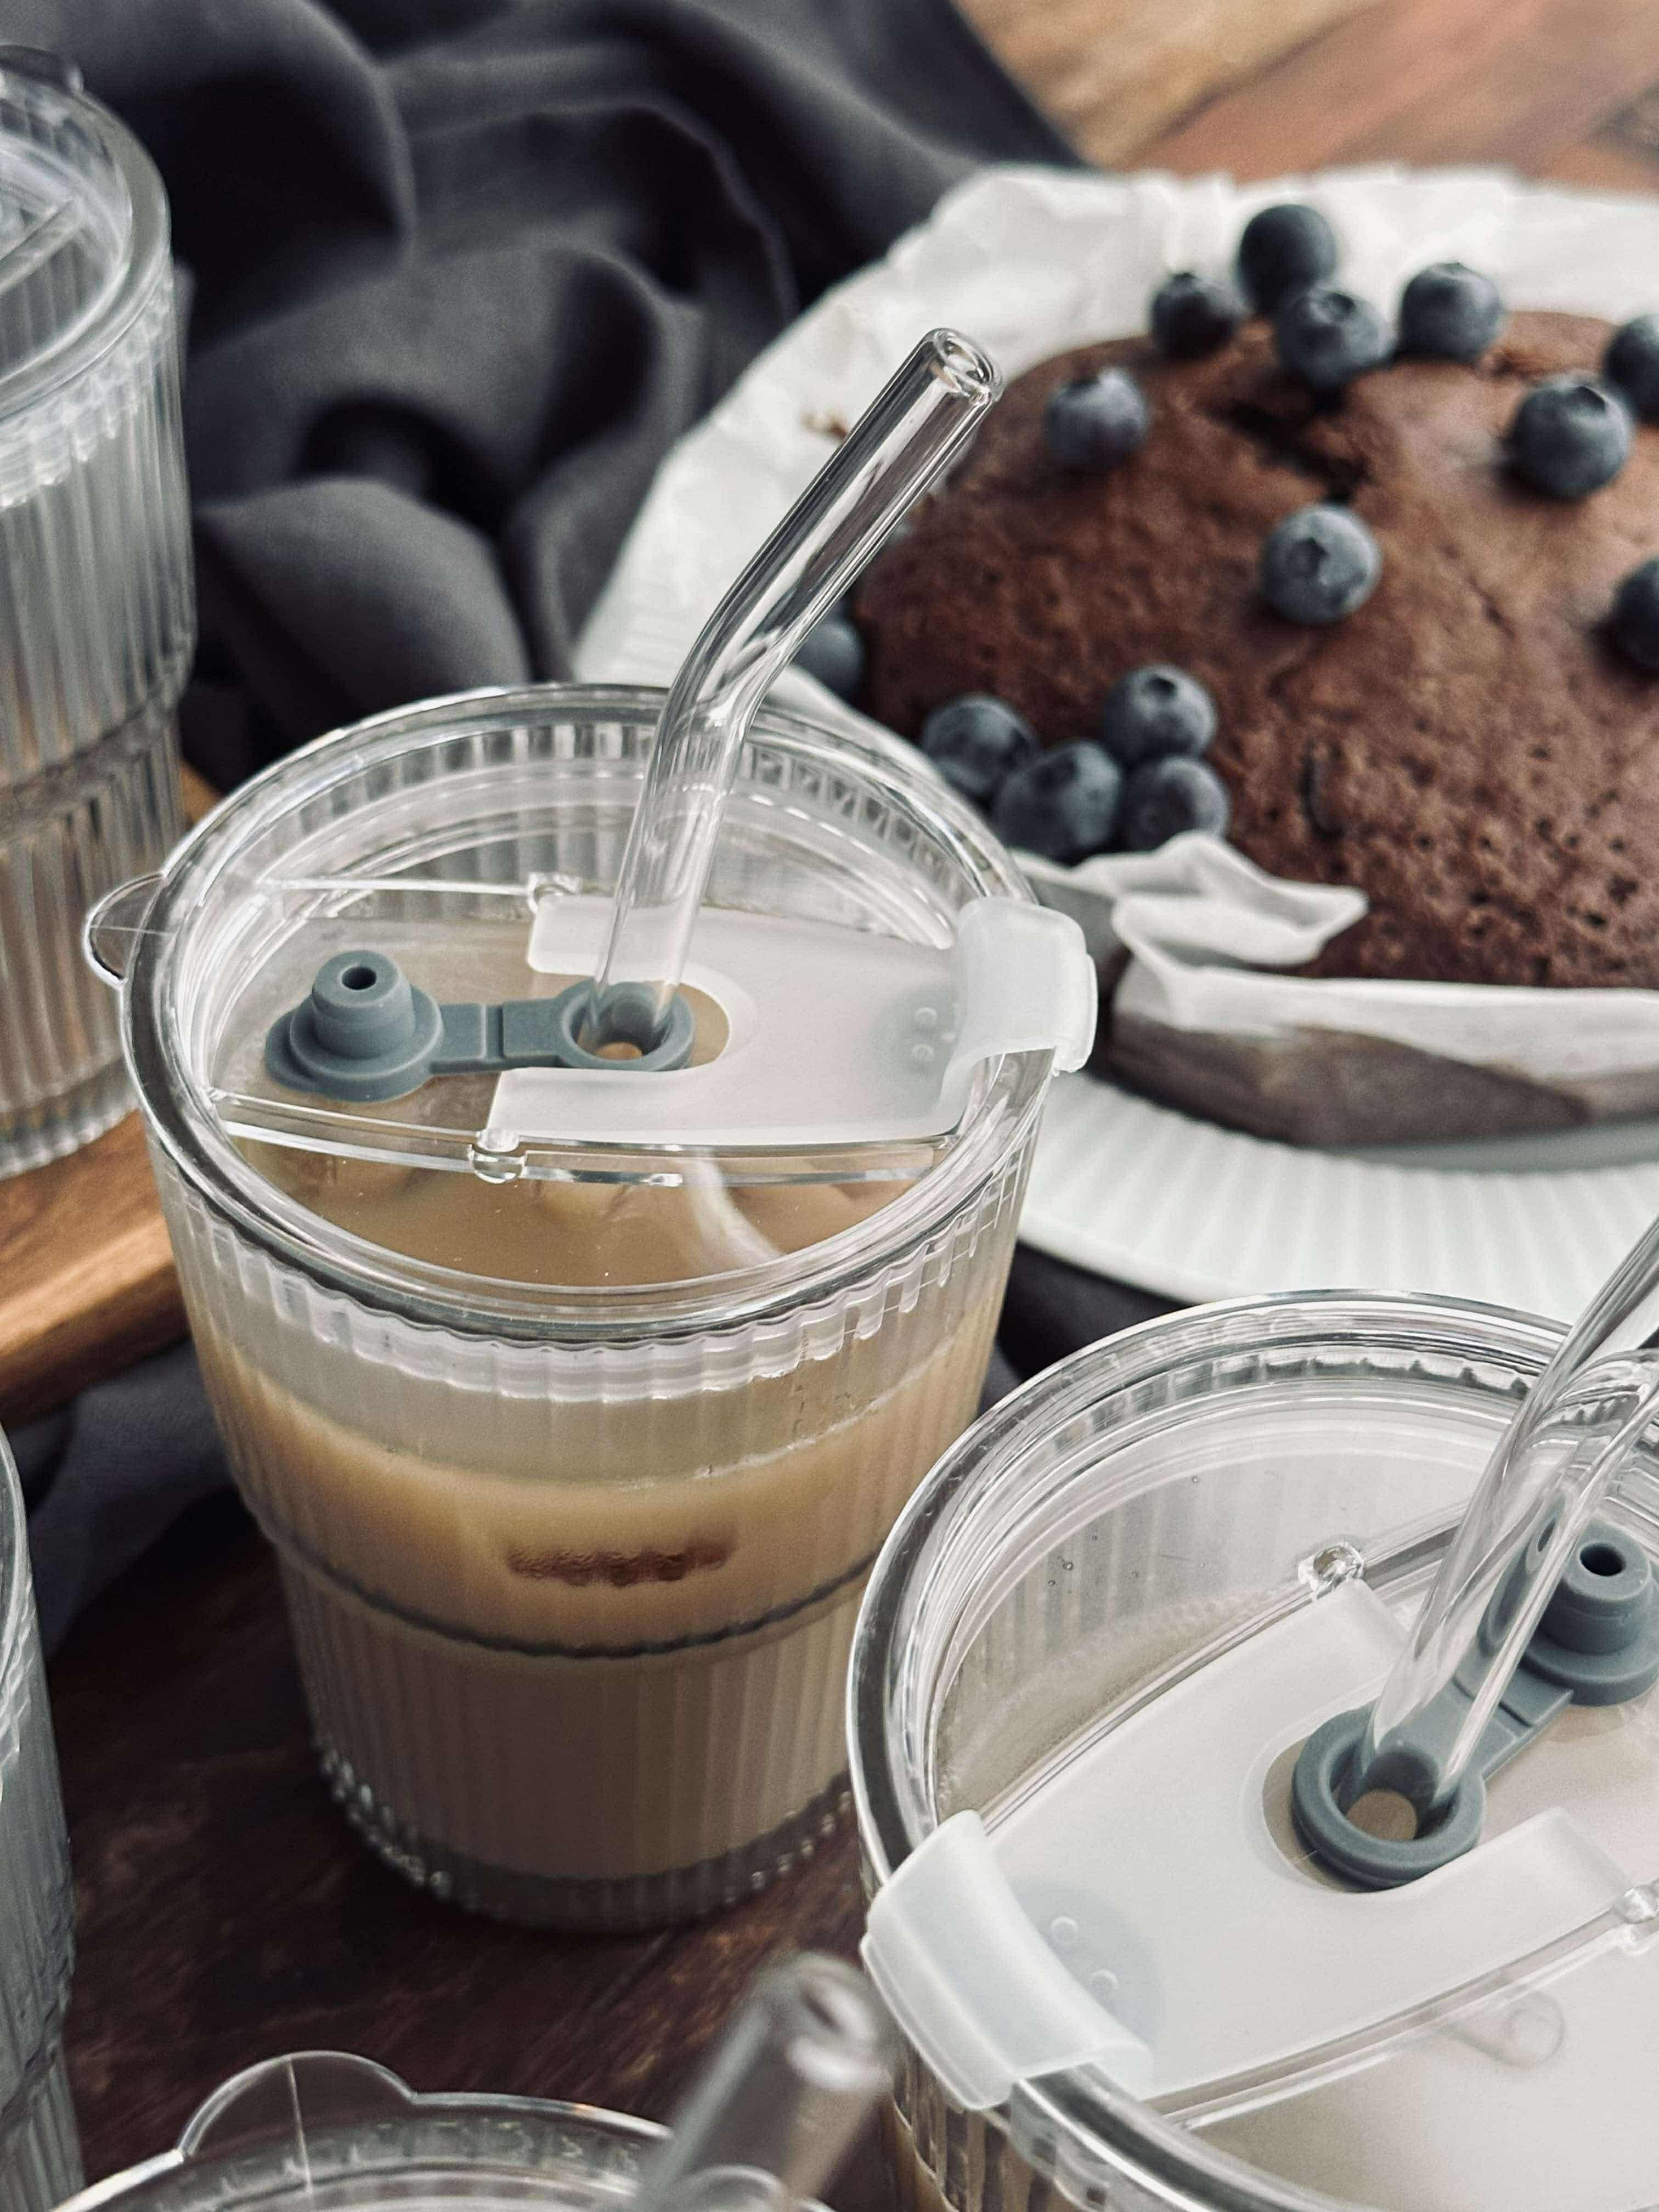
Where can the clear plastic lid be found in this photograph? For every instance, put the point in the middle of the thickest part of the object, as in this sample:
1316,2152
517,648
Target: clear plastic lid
765,2122
322,2128
862,1042
98,617
1089,1659
67,223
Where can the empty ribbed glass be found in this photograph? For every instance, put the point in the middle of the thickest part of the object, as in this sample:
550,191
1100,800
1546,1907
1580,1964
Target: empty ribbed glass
65,838
40,2157
96,619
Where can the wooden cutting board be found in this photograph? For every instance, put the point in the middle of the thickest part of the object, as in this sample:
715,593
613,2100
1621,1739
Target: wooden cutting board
1567,89
87,1283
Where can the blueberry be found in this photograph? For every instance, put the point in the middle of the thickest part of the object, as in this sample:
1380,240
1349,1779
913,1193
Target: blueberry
1569,435
1327,337
1282,249
1192,315
976,743
1155,712
1635,622
1095,421
1319,564
1632,363
1451,311
1063,804
834,652
1167,796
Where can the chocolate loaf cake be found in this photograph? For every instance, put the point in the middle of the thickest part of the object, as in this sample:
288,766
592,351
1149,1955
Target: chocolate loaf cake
1466,746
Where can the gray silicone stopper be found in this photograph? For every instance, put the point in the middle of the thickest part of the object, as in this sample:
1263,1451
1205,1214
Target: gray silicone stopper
629,1015
1598,1644
1600,1634
1374,1861
365,1032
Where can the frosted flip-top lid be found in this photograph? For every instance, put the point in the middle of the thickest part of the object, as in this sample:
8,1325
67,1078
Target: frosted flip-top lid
421,1023
834,1036
1483,2037
379,951
797,1033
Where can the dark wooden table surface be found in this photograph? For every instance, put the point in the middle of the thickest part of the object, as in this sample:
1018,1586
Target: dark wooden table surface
225,1913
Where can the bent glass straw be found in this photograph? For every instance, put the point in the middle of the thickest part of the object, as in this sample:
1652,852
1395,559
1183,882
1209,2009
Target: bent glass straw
881,468
773,2114
1551,1468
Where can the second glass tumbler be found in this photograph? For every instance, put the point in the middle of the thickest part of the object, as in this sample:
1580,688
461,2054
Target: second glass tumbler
97,620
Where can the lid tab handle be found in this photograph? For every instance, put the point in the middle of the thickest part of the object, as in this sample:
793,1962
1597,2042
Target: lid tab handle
280,2100
114,924
996,2007
1024,982
902,1029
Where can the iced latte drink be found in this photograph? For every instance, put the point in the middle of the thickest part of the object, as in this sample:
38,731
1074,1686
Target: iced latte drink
575,1461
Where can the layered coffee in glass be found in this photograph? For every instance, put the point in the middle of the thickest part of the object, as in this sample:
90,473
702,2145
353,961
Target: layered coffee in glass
575,1453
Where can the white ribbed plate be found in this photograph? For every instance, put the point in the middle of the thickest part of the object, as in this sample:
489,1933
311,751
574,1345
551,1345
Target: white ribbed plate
1136,1191
1032,261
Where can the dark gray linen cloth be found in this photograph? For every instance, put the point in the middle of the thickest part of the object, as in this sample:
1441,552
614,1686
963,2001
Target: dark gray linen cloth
462,271
457,273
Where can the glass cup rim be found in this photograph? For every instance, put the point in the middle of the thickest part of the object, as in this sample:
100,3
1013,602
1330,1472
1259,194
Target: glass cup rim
1176,2164
100,328
17,1591
181,1123
133,2183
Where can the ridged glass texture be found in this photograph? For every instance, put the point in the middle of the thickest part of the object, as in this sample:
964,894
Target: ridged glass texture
65,838
1140,1499
574,1577
96,617
39,2159
96,608
40,2150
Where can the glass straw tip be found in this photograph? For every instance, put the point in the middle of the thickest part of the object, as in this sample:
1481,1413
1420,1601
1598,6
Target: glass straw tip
962,366
835,2029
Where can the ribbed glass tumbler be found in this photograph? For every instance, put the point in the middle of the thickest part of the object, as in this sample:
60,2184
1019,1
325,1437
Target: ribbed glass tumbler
96,612
39,2156
573,1557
